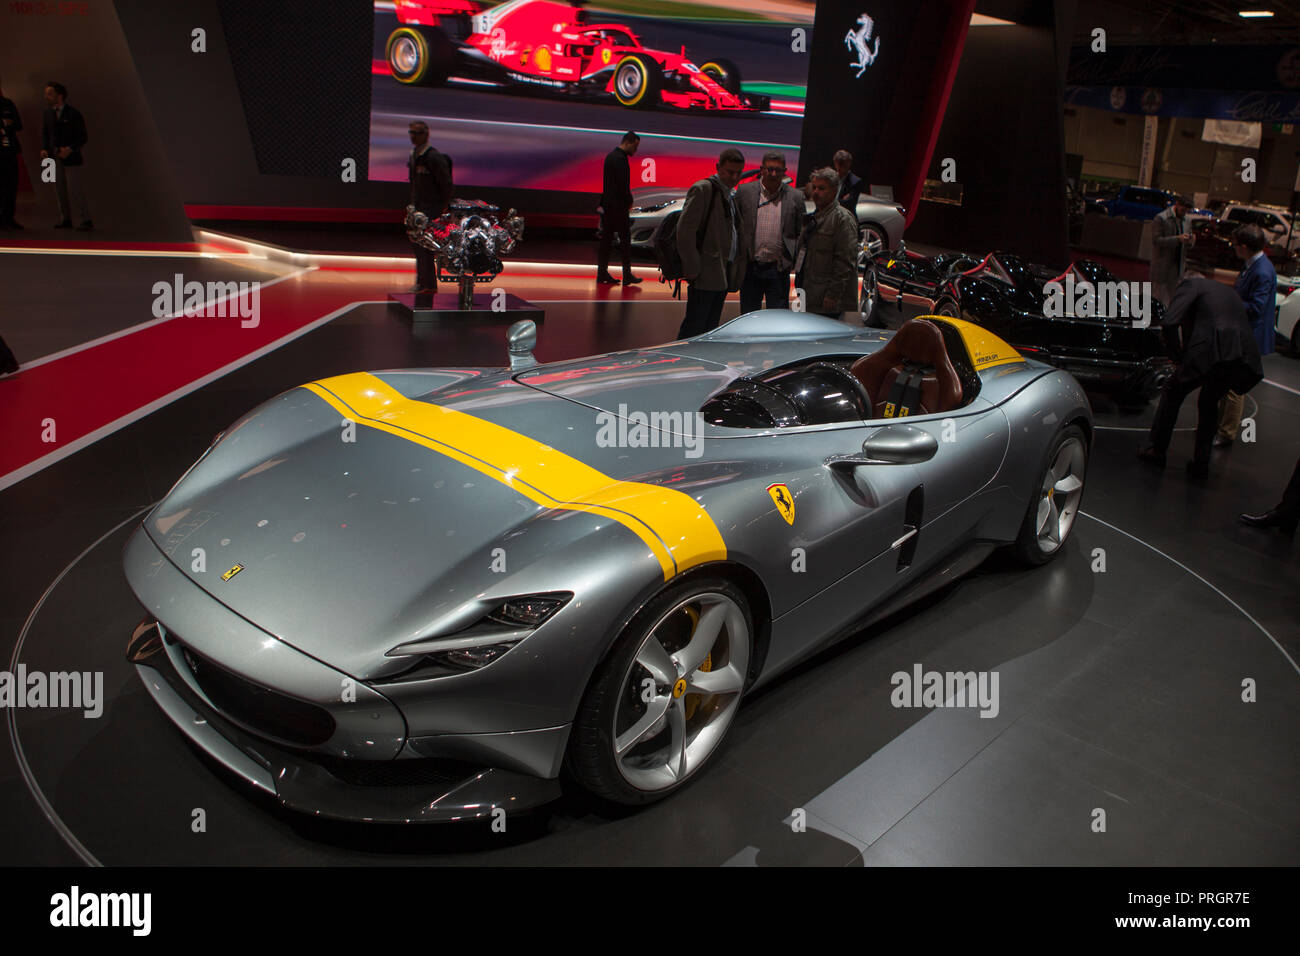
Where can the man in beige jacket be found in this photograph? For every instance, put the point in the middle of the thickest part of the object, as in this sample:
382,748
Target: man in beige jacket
709,244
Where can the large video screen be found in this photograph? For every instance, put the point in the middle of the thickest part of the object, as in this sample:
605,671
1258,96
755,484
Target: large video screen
533,93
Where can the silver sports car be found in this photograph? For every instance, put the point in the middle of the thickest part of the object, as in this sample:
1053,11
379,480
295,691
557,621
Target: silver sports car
880,223
427,594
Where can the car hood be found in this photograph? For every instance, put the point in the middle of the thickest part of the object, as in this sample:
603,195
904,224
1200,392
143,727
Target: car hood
345,529
653,196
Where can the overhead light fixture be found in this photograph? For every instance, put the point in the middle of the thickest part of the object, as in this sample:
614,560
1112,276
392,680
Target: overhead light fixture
1254,13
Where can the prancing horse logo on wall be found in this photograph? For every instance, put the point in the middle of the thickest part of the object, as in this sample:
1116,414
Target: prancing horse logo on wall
857,40
784,501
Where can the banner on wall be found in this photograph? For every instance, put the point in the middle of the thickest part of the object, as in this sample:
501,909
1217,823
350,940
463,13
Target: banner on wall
1247,107
1232,133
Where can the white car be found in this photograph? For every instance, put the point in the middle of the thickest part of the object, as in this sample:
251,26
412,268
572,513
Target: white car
1274,220
1288,313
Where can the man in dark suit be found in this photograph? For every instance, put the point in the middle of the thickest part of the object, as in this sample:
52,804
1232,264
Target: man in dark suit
63,135
771,216
1209,336
708,241
615,206
850,185
1257,287
10,150
430,175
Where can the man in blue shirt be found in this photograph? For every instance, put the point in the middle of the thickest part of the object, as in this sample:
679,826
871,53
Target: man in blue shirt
1257,288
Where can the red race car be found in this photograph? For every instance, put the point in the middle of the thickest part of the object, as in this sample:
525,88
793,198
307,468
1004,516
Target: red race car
544,44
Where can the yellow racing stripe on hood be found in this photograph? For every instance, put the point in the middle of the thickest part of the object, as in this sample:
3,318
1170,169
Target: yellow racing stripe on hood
672,524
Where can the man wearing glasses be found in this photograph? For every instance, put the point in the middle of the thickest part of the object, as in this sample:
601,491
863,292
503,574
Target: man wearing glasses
771,216
430,174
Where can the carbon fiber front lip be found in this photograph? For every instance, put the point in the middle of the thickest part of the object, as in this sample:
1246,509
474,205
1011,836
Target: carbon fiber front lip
302,784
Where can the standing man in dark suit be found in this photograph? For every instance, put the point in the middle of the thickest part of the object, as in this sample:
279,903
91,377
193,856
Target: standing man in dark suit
1257,287
615,206
430,175
63,135
850,185
708,241
1215,352
771,217
10,149
1170,240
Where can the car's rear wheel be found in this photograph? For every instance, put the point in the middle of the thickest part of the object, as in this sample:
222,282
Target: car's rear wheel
725,73
637,82
947,306
420,56
1057,496
869,298
660,704
872,238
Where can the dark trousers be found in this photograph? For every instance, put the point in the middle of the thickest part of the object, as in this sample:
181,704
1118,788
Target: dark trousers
7,359
1289,508
764,281
703,310
1213,387
622,226
426,268
8,186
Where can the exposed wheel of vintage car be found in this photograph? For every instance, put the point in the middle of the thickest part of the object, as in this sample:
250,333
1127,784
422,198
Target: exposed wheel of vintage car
661,702
726,73
869,299
637,82
872,237
1055,502
420,56
946,306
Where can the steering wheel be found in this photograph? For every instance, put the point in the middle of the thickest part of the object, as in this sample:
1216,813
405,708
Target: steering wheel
853,384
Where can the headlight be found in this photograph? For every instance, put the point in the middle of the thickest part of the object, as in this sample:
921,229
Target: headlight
484,641
655,207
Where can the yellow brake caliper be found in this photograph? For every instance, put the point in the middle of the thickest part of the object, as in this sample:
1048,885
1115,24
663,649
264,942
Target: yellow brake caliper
692,701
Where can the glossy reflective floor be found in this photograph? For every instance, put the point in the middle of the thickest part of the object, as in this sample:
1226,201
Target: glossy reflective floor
1120,690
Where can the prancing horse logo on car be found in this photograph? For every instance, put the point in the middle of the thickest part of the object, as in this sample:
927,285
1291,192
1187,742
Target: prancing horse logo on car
784,501
232,572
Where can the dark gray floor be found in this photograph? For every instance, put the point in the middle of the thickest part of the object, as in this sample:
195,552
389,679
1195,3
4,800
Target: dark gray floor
1120,691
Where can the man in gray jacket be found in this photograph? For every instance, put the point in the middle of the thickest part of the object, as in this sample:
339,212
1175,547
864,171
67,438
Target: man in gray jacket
1170,240
826,264
709,243
771,218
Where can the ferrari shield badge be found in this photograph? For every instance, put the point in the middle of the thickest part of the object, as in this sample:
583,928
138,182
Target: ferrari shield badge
232,572
784,501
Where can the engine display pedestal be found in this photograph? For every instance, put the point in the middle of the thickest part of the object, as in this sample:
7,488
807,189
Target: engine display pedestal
444,307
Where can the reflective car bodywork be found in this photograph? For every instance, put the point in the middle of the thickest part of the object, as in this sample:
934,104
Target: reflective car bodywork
363,531
1005,294
880,222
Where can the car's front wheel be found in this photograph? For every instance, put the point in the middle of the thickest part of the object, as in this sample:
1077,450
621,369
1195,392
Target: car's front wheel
869,299
660,704
947,306
637,82
420,56
1054,505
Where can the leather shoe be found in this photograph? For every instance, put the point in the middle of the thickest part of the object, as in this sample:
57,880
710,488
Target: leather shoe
86,226
8,368
1152,457
632,280
1269,519
63,224
1222,441
606,279
1198,469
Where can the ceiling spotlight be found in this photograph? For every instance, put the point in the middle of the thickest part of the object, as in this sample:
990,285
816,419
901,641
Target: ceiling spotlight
1254,13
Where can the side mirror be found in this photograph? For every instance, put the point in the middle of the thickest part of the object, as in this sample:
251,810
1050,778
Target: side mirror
521,338
891,445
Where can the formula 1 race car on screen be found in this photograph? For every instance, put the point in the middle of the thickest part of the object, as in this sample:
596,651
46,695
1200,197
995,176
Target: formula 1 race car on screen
1105,340
541,44
438,589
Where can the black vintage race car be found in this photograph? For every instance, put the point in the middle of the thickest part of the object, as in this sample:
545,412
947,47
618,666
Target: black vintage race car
1085,320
